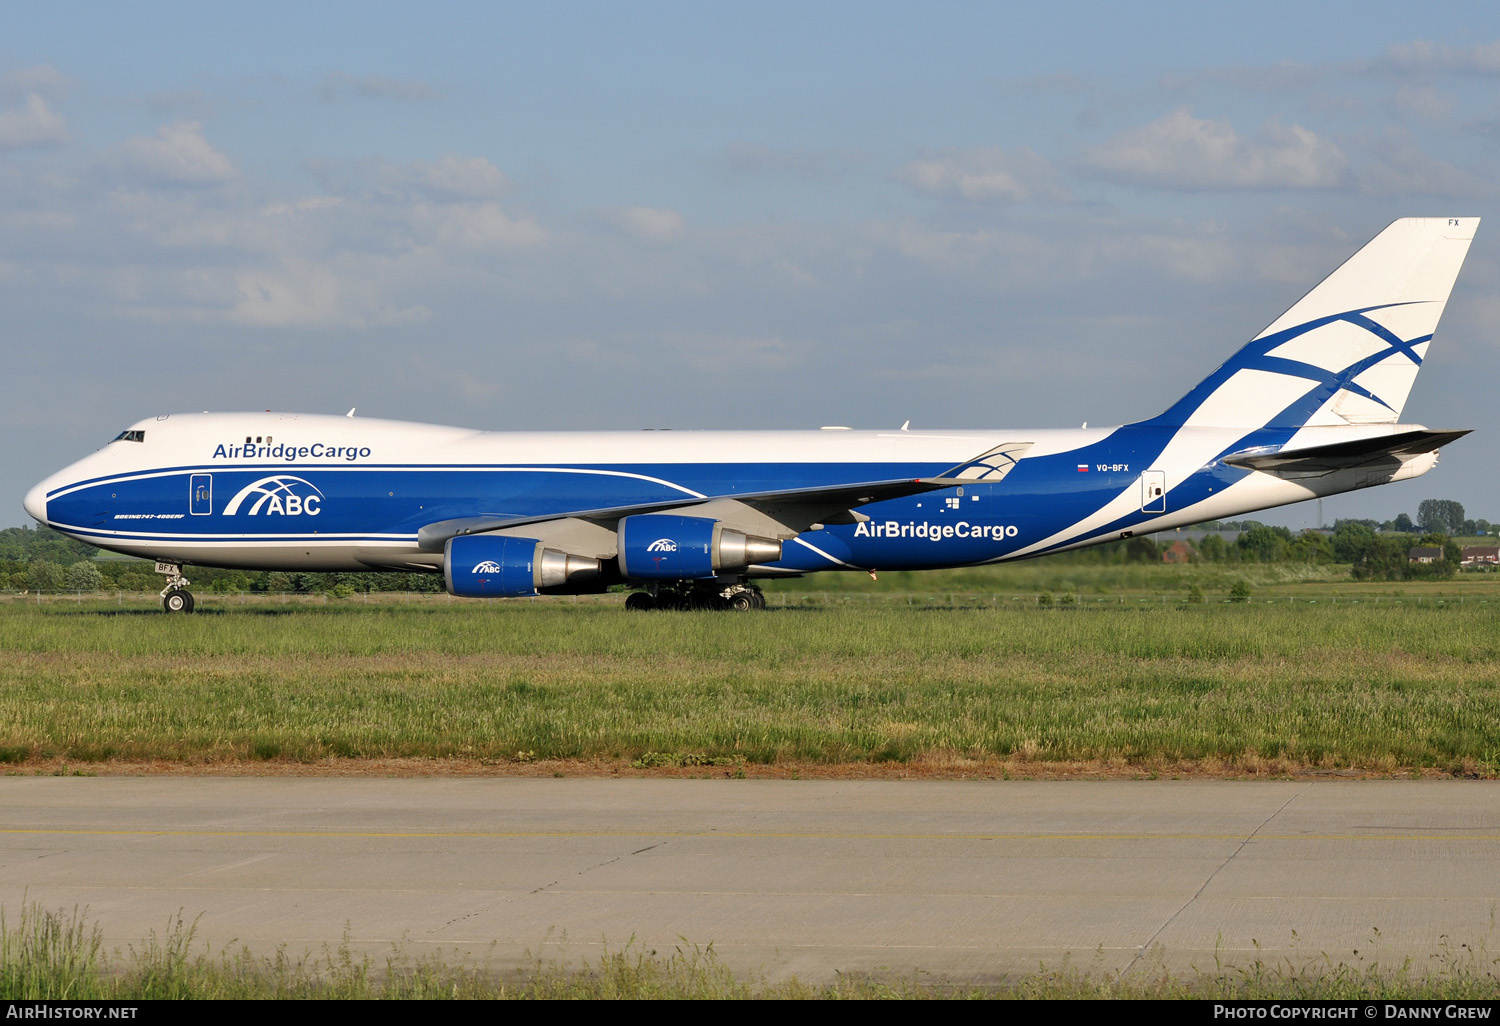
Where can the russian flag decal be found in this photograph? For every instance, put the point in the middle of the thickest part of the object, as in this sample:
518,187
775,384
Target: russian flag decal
1083,468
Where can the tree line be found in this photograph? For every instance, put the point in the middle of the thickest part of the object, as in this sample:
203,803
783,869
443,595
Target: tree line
1434,516
41,559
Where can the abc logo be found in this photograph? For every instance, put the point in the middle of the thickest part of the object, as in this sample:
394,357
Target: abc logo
278,495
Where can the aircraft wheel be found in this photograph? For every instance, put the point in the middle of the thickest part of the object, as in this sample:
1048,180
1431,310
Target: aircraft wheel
178,602
669,599
742,601
640,601
759,598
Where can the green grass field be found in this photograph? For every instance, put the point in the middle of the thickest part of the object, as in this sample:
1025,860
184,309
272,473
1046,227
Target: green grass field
956,672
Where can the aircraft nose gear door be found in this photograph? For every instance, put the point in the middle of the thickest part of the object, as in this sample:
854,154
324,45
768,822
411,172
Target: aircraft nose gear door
1154,491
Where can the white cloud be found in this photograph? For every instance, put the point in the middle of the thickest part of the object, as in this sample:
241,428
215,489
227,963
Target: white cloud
1422,102
178,220
464,177
646,224
794,272
1423,56
177,155
311,261
300,295
946,250
1006,260
302,207
1183,152
32,124
986,173
474,226
447,178
1020,262
1417,57
43,80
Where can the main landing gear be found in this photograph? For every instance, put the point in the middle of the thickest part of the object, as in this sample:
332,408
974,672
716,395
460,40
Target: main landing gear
737,597
175,598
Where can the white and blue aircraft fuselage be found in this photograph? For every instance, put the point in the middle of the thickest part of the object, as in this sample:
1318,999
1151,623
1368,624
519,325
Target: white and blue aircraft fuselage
1310,407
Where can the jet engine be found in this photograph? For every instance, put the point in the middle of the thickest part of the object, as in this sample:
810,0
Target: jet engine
500,566
659,546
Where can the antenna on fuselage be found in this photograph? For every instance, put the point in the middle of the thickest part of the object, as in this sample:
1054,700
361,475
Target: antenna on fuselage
351,411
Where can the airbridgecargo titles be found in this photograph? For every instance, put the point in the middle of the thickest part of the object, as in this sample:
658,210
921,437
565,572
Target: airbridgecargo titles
1309,407
291,453
935,532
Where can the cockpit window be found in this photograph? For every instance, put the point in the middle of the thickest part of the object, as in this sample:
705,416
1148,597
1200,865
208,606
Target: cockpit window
130,436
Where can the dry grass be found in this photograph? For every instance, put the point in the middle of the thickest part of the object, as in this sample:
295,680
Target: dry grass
59,956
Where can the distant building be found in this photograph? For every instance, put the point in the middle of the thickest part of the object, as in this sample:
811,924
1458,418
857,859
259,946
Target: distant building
1178,552
1424,554
1478,557
1199,533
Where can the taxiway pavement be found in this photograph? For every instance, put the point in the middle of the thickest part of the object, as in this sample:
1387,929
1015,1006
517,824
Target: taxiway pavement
966,881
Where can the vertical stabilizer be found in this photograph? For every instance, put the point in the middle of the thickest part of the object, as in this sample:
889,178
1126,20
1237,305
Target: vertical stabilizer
1349,350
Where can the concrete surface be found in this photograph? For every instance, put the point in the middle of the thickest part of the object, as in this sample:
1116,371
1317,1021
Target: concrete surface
969,881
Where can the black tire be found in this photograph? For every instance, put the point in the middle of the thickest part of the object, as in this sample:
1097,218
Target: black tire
639,601
177,602
742,601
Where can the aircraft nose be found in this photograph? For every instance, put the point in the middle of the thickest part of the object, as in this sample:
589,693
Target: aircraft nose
36,502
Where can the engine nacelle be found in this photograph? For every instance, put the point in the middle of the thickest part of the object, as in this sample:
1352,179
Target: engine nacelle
499,566
660,546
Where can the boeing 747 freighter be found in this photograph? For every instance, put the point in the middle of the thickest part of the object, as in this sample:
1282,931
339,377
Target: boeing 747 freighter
692,519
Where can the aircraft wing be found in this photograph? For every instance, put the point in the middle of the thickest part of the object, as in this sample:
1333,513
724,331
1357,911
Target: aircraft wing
1325,459
783,513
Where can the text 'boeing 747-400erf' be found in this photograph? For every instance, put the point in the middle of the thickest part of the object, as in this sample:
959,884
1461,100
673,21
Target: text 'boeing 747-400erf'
1310,407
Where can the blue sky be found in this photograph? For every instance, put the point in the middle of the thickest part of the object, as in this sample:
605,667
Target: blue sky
698,216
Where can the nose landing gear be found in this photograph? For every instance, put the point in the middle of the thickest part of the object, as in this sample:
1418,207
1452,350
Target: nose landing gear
177,602
175,598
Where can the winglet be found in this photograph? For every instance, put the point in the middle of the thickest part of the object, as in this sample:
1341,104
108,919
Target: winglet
989,466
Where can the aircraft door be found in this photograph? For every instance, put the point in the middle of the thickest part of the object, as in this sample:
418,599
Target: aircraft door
1154,491
201,495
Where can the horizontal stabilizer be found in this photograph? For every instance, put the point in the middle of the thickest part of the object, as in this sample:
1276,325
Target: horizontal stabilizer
797,507
1346,455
